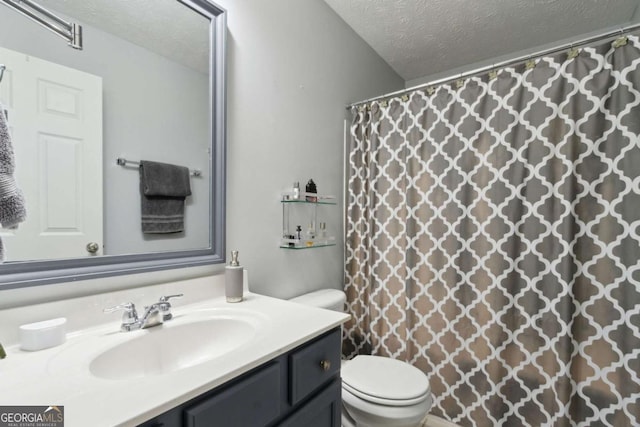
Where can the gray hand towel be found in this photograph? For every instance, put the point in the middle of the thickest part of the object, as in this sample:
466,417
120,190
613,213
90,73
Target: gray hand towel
163,190
12,204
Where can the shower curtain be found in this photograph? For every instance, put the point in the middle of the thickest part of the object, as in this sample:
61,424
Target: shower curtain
493,240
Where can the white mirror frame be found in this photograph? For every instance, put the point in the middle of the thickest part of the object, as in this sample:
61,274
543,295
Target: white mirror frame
32,273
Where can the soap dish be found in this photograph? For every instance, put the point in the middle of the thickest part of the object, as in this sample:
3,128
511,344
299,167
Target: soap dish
41,335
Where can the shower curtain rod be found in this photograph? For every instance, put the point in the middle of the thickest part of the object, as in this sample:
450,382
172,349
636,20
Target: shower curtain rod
70,31
515,61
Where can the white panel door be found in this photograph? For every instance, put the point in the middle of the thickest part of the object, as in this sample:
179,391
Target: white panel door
55,118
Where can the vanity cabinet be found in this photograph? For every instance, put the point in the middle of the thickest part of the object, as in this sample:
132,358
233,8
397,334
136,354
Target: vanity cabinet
299,388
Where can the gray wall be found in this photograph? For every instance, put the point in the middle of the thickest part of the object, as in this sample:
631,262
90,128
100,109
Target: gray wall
153,109
293,67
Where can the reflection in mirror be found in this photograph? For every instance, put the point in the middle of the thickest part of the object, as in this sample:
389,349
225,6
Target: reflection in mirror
141,89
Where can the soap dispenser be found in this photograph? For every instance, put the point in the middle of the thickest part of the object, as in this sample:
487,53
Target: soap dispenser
233,279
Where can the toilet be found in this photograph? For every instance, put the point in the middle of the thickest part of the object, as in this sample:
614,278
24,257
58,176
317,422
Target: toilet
376,391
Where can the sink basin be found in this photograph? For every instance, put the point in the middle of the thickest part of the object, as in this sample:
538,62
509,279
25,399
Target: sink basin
171,347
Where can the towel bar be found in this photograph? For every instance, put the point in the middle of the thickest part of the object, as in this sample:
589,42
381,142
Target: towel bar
124,162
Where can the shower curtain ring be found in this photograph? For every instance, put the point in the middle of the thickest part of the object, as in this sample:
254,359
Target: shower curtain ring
493,74
530,64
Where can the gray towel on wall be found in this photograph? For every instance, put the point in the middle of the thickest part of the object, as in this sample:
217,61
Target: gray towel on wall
12,204
163,190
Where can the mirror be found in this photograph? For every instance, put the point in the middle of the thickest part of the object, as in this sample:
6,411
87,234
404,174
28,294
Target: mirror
149,84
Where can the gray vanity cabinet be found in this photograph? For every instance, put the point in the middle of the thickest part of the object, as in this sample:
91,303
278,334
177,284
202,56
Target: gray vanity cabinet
298,389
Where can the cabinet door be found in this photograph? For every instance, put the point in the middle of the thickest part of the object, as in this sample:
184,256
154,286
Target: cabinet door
251,402
313,365
321,411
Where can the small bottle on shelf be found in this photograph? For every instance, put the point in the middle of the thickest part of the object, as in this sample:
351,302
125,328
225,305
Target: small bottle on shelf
311,234
296,191
311,191
322,234
298,233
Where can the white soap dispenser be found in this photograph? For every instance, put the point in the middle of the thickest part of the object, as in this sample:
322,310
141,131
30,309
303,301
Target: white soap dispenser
233,279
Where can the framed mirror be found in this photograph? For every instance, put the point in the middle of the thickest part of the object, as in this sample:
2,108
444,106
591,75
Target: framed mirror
147,85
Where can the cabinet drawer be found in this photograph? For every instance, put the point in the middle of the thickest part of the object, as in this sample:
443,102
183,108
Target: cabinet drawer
251,402
313,365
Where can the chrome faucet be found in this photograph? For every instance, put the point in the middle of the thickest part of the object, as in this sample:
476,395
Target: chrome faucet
154,315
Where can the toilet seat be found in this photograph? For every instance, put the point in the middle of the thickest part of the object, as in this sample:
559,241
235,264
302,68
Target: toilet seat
385,402
385,381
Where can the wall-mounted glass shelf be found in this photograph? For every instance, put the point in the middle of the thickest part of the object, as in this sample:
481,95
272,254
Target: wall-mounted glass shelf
315,234
307,243
311,198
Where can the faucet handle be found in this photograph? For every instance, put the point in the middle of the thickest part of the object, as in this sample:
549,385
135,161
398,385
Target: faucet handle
166,298
127,306
130,315
165,306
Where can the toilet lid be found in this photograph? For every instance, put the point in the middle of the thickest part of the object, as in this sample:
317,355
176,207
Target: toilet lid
378,379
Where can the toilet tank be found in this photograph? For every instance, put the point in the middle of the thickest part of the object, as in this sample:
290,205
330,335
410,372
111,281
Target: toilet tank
331,299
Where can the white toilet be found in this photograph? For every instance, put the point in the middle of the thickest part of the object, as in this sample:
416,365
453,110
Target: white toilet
376,391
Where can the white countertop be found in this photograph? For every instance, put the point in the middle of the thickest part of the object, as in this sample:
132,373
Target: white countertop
61,376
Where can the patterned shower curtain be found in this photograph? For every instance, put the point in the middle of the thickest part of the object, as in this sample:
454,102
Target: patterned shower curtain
493,240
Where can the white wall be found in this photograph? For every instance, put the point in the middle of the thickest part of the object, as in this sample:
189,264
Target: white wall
146,116
293,66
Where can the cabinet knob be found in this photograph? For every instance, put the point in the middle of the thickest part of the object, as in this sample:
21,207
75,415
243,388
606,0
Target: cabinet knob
325,365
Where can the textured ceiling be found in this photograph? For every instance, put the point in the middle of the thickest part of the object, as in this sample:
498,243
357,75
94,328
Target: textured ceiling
166,27
420,38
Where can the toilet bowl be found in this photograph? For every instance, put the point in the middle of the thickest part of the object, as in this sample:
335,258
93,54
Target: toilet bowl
376,391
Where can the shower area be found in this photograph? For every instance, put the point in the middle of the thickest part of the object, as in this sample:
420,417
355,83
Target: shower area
493,238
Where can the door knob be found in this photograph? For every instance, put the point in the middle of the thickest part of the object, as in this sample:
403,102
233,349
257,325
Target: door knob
92,247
